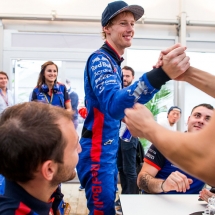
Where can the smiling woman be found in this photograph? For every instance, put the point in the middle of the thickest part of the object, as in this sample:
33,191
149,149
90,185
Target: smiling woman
50,91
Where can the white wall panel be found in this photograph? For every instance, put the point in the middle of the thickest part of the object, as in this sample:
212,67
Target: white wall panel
72,41
200,10
56,41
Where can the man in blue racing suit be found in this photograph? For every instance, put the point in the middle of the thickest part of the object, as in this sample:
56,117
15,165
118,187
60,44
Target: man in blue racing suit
106,101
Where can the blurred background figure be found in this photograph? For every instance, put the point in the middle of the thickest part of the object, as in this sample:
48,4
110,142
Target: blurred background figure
48,90
74,102
127,152
6,98
173,116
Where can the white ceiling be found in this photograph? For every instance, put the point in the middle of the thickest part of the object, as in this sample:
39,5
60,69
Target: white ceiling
164,9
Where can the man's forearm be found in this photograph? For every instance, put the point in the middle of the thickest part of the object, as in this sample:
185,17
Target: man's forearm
149,184
201,80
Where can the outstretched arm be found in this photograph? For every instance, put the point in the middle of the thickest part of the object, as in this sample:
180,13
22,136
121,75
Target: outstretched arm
196,77
199,79
192,152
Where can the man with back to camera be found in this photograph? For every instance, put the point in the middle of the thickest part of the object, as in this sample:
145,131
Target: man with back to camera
126,157
37,153
173,115
159,175
106,102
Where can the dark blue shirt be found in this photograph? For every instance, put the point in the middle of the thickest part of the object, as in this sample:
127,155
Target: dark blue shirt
74,102
165,168
17,201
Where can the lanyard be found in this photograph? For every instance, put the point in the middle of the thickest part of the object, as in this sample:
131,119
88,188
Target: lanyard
5,98
49,102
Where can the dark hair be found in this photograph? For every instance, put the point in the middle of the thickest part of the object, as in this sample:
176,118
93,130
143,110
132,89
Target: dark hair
208,106
29,136
41,78
4,73
67,81
172,108
129,68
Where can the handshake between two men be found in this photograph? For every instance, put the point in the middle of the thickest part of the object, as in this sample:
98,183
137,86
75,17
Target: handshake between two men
193,153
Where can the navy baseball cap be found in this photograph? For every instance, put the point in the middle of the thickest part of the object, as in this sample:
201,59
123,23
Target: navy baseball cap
116,7
174,108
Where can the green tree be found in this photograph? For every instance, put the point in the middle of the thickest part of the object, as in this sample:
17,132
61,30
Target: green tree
157,105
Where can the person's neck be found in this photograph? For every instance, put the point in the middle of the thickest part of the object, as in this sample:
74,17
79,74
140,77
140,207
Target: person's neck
4,90
50,85
117,49
171,124
38,189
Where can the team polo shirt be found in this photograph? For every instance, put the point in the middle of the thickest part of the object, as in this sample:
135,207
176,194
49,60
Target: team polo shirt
58,98
154,158
16,201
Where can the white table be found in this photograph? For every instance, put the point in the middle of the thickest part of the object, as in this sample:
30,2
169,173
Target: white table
148,204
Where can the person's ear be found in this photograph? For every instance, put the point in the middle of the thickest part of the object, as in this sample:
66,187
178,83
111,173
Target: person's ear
188,120
48,169
106,29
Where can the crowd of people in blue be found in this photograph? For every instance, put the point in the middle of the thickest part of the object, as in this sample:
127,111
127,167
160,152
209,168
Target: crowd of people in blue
40,149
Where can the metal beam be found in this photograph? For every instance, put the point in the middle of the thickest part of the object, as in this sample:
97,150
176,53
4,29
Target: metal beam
201,23
54,17
143,20
180,87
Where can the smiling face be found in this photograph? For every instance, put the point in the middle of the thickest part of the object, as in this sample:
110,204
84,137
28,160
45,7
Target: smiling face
50,73
121,31
3,81
199,118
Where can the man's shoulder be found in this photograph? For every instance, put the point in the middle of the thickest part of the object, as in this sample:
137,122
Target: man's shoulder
154,152
10,206
154,157
73,93
100,63
164,122
98,56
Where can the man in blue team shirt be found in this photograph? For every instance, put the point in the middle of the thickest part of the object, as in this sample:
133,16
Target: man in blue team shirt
38,150
106,101
158,175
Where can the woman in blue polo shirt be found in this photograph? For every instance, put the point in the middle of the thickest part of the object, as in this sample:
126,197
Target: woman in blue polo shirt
48,90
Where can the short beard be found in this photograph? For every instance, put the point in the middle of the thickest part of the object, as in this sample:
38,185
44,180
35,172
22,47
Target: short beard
128,84
62,175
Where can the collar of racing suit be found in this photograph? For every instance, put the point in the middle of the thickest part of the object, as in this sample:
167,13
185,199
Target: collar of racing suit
111,51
